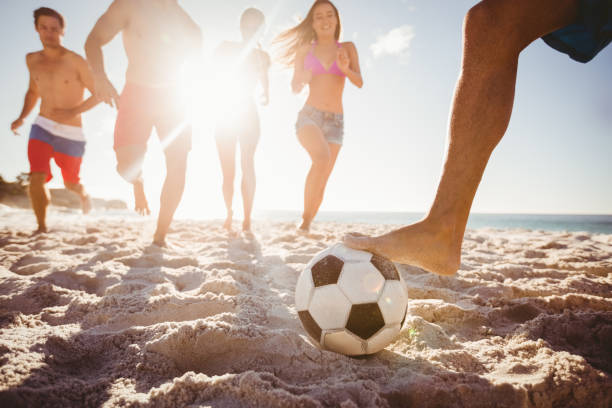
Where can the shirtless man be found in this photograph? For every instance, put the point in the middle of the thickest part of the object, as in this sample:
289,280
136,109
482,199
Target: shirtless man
495,33
158,37
58,77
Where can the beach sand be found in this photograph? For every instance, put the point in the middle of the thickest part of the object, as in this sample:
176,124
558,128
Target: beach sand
92,315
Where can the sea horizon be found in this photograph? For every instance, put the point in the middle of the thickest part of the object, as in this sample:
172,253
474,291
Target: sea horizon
592,223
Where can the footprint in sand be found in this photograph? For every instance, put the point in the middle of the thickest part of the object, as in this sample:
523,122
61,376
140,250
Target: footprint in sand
220,286
84,281
170,309
30,265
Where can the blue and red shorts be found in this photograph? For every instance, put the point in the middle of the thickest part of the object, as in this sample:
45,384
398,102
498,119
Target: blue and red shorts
51,140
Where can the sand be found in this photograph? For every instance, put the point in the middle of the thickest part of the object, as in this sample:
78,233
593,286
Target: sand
92,315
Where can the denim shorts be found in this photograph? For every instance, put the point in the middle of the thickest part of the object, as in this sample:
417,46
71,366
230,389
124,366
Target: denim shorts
331,124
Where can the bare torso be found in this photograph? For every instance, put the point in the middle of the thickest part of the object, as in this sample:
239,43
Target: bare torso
239,70
325,90
59,83
158,38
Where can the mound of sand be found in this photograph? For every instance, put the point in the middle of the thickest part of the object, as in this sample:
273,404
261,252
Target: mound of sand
92,315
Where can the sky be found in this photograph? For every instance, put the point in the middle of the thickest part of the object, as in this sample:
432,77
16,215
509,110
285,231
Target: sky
554,158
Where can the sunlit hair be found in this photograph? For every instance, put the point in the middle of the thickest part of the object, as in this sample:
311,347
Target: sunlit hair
49,12
291,40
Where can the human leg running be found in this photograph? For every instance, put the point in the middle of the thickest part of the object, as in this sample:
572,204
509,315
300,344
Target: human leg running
318,149
481,110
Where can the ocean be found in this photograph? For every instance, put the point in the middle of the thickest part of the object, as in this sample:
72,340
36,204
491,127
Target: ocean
601,224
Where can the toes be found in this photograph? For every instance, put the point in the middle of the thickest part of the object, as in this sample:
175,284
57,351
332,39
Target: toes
357,241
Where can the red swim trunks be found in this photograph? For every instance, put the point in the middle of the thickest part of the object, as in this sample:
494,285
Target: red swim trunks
143,107
63,143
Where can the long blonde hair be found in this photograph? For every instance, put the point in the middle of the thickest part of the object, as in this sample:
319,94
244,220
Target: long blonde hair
291,40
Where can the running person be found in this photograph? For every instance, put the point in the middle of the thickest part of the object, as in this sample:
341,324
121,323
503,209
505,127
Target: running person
241,65
58,77
158,37
323,63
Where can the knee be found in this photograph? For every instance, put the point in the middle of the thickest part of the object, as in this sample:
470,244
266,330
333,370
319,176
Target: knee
130,172
38,179
247,164
487,26
321,159
478,22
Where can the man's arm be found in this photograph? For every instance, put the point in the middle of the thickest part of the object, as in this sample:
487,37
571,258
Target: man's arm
30,100
87,80
113,21
194,35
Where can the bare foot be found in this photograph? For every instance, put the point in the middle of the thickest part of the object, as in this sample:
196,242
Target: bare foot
305,226
246,225
433,249
160,241
228,221
41,230
140,200
86,203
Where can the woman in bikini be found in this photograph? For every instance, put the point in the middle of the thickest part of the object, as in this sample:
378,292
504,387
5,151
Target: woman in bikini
240,66
323,63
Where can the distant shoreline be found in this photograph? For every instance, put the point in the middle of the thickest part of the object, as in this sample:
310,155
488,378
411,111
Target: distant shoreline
14,194
598,223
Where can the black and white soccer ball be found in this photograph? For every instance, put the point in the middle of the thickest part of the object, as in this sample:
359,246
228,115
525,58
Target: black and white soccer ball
351,302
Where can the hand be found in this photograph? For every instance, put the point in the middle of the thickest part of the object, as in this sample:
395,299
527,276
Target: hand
301,80
265,99
105,91
16,125
61,114
307,76
343,60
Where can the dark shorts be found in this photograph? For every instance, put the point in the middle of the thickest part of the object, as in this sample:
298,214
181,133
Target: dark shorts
591,32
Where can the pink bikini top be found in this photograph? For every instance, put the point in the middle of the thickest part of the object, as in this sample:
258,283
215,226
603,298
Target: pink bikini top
312,63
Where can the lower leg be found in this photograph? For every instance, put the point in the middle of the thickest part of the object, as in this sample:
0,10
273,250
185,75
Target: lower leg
248,190
228,198
141,205
79,189
129,166
39,198
312,139
481,111
334,149
226,147
313,191
172,192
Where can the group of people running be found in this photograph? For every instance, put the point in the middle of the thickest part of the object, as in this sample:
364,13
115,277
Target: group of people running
159,37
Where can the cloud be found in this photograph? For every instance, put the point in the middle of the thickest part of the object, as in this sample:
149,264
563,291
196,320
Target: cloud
395,42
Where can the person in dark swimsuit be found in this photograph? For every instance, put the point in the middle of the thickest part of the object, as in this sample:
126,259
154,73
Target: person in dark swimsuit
323,63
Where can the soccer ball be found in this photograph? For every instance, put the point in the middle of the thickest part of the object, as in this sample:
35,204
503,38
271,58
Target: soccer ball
351,302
